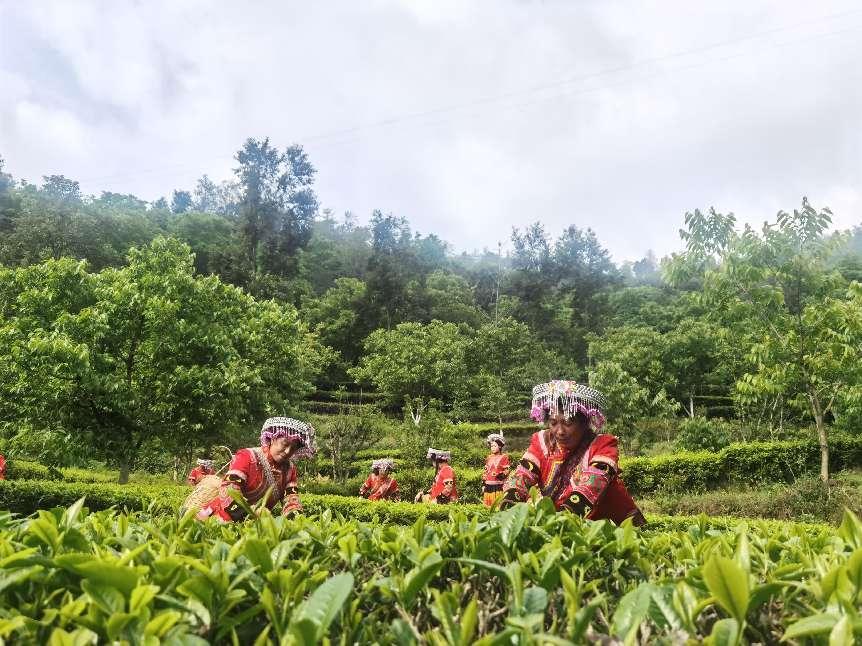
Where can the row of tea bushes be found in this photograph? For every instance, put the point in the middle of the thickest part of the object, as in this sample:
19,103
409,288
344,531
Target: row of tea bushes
526,575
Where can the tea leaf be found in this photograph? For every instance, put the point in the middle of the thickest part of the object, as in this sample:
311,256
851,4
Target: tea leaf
728,583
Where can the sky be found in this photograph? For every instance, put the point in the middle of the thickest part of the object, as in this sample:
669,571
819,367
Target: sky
467,117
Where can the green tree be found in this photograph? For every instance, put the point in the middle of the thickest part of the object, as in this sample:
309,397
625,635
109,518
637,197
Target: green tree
388,272
211,238
628,400
277,207
148,352
335,319
8,200
345,434
499,359
641,349
445,297
414,363
181,201
779,282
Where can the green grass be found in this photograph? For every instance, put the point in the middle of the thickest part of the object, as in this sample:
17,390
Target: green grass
806,499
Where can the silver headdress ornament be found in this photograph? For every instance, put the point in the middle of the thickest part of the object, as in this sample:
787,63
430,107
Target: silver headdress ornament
437,454
207,464
292,429
496,437
567,398
384,464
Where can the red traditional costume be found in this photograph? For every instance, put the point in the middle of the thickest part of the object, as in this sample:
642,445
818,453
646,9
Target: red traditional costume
584,480
204,468
496,471
2,467
444,490
380,485
252,473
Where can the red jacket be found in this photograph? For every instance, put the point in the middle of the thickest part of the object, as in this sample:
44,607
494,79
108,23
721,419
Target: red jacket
379,488
589,483
197,474
496,469
247,475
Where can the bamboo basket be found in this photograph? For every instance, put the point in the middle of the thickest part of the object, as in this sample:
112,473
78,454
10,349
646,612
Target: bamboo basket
207,489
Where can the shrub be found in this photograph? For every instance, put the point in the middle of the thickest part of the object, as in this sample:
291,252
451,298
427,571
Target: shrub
108,577
805,499
702,434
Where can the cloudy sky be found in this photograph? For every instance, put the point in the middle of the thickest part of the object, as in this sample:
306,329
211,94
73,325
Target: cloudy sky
467,117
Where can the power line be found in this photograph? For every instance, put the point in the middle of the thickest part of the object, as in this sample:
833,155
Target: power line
336,137
574,79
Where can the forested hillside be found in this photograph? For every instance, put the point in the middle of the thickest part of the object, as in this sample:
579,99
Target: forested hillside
762,327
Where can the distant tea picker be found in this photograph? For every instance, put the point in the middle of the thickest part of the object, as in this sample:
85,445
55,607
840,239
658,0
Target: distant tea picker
203,468
380,485
570,461
443,490
255,471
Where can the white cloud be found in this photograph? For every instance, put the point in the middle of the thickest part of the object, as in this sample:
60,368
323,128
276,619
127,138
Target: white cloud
466,117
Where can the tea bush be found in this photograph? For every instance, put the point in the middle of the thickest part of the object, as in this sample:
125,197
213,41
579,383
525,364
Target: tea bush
526,575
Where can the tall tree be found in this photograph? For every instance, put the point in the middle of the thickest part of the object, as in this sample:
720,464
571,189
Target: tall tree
417,364
61,189
388,268
278,205
780,282
206,195
147,352
181,201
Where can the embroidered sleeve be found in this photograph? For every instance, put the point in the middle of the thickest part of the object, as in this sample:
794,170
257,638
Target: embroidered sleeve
526,474
235,480
291,504
365,489
503,468
590,483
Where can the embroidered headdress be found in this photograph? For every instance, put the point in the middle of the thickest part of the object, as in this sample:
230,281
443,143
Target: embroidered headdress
567,398
437,454
384,464
206,464
496,437
292,429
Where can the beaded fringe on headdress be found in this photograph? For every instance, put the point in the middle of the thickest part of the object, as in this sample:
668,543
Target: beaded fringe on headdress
437,454
291,429
384,464
567,398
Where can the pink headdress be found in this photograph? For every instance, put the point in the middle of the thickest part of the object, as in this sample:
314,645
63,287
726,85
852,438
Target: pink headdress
292,429
567,398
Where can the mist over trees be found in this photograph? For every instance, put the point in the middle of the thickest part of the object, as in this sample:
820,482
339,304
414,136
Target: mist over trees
762,327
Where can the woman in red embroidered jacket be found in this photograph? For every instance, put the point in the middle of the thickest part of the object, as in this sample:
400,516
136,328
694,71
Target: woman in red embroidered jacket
269,467
496,470
569,461
204,468
380,485
443,490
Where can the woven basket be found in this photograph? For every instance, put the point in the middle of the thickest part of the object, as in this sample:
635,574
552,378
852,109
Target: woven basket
203,494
